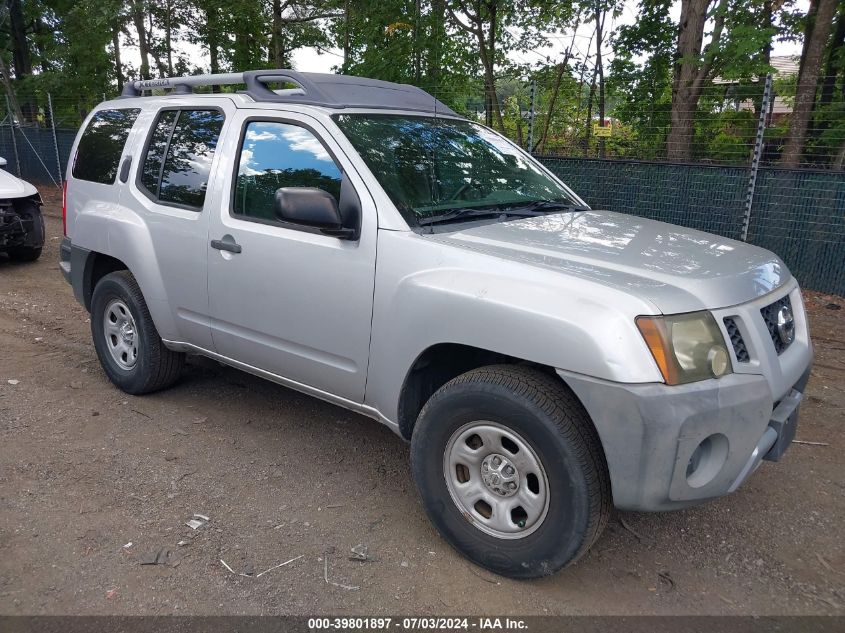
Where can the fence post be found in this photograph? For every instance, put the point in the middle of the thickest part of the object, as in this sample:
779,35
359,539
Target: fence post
758,152
55,138
14,140
531,118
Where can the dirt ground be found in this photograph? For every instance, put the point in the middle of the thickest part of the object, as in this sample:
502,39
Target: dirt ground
92,481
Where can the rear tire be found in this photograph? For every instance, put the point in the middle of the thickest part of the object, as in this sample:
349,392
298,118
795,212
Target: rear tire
128,345
546,456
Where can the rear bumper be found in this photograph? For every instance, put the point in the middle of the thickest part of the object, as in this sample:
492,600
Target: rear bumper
672,447
64,259
72,263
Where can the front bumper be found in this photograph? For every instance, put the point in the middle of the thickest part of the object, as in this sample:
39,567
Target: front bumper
651,433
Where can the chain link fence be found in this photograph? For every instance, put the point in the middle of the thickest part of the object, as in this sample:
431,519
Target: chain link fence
742,193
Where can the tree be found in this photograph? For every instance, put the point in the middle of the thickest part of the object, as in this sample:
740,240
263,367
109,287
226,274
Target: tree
482,20
691,71
641,74
819,20
738,46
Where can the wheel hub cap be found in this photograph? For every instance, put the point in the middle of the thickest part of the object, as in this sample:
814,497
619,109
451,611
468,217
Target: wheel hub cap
499,475
496,480
121,335
127,333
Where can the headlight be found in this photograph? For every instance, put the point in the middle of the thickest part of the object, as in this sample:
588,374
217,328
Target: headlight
686,347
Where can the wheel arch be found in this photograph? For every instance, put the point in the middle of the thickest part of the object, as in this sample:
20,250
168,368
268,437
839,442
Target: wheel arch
440,363
97,266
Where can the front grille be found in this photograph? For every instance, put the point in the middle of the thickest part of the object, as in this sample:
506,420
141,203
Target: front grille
738,343
770,316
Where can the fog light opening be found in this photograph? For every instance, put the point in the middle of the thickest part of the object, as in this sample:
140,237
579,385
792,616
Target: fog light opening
707,460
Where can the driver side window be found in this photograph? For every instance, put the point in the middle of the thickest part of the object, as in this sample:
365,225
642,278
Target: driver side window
274,155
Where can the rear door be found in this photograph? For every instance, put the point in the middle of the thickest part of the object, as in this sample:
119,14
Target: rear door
177,165
291,301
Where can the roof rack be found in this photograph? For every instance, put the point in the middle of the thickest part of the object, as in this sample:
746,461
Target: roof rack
319,89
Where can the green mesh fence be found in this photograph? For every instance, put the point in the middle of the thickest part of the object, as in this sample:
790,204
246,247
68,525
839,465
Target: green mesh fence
798,214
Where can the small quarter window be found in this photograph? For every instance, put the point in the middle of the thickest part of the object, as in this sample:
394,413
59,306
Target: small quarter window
178,161
155,152
275,155
99,150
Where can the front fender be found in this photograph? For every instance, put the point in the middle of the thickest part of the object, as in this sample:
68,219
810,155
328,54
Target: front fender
429,293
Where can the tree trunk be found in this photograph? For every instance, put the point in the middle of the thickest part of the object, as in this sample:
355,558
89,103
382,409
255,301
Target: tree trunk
600,70
561,69
437,35
834,56
417,51
839,161
808,75
21,60
347,36
138,15
487,48
118,66
685,88
276,46
589,126
168,36
211,42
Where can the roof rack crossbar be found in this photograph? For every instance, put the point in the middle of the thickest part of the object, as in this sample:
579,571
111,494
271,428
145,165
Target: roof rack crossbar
135,88
326,90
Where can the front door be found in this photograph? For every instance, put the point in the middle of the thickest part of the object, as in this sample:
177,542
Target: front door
292,302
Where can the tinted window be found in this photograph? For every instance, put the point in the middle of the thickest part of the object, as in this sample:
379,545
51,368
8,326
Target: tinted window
189,155
275,155
151,172
98,153
432,167
186,139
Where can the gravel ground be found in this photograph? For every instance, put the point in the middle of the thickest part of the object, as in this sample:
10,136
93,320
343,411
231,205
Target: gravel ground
93,481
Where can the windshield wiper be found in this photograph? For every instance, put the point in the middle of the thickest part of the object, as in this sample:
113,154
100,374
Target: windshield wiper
461,213
537,207
543,206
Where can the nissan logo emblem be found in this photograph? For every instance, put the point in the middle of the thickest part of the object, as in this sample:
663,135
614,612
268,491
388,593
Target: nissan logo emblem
786,325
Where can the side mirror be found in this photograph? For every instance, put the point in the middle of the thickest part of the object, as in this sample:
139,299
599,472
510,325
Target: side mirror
312,207
3,162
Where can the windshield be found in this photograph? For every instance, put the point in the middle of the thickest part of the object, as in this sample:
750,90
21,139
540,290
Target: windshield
437,169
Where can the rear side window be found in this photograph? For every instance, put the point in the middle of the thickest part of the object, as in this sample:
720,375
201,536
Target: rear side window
177,164
98,153
275,155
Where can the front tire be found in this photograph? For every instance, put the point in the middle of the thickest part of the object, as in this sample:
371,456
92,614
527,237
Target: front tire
511,470
128,345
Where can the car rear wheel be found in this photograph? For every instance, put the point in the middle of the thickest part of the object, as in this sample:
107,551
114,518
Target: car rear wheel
511,470
128,345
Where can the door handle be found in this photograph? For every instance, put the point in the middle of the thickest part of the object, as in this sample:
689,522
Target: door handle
226,244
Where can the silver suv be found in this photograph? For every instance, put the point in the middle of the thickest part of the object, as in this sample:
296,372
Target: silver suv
360,242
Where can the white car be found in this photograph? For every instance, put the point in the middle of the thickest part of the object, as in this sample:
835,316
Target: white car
21,223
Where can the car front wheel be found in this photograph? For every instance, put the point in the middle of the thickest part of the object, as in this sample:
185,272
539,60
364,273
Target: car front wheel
511,470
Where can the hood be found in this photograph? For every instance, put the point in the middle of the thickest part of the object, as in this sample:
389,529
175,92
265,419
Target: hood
11,187
677,269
